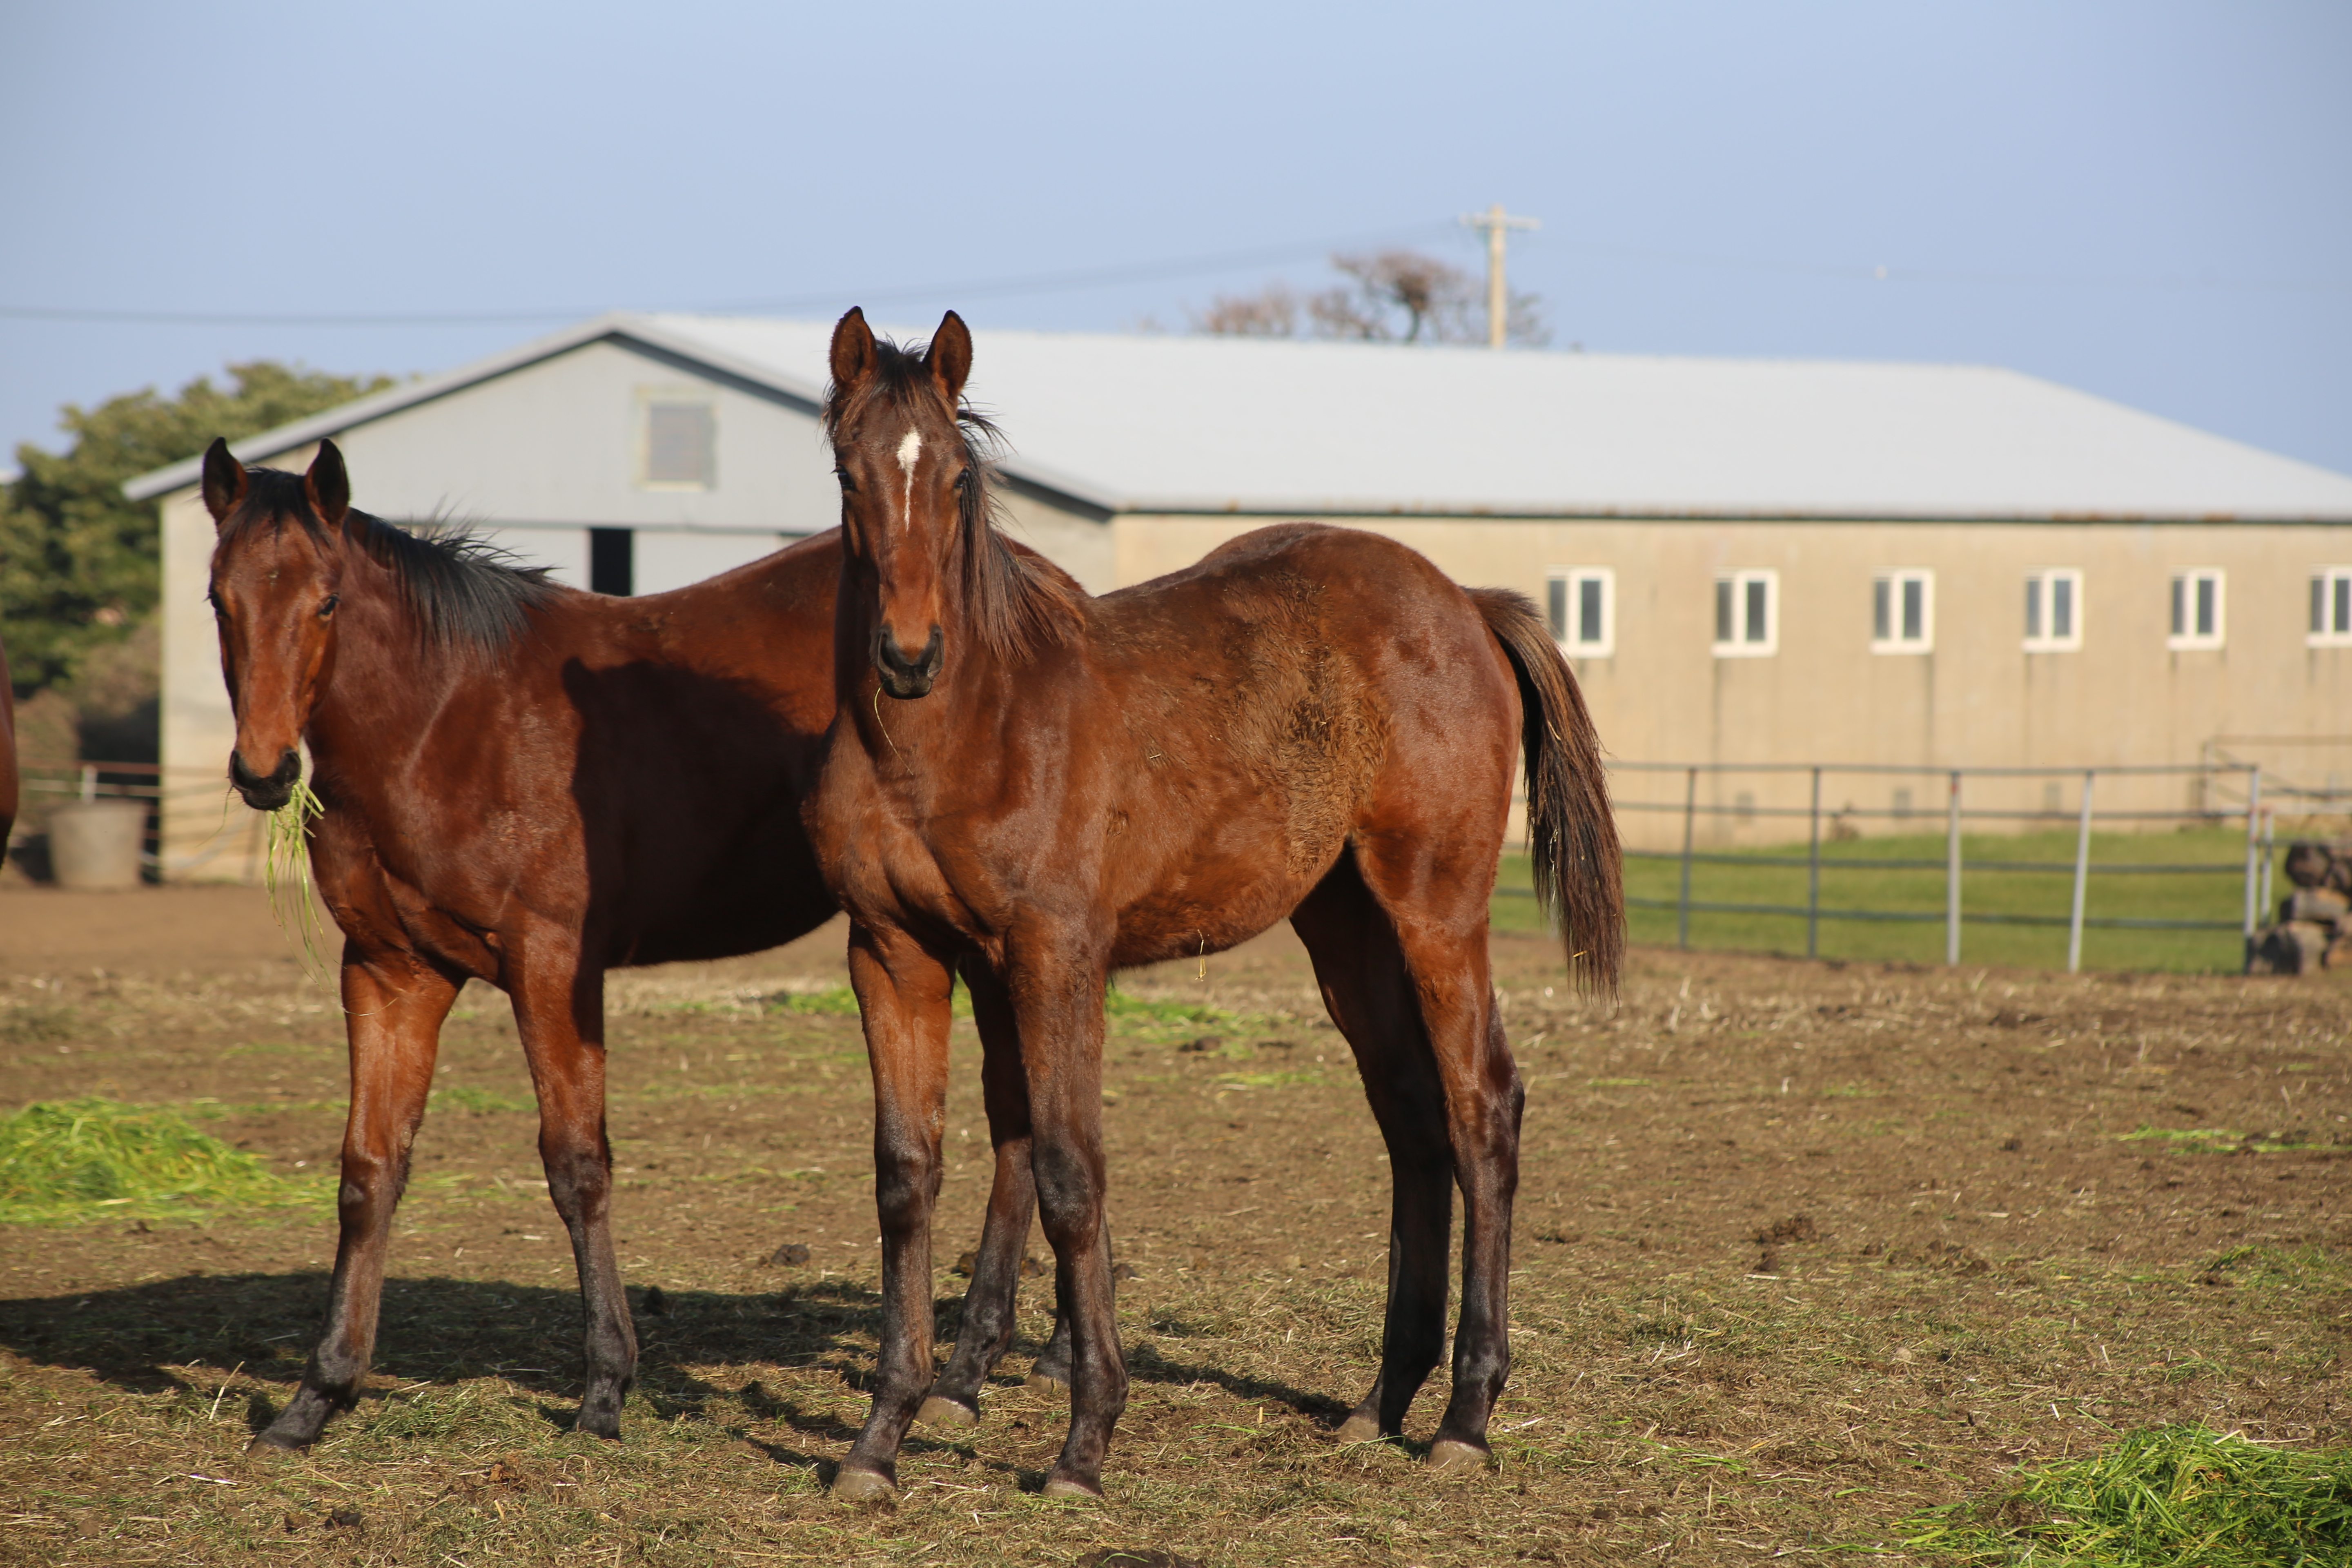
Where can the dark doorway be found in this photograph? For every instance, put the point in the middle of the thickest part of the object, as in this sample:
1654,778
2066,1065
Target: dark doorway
612,561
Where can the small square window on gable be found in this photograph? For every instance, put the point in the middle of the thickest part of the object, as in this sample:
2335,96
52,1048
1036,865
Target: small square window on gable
2053,609
677,440
1580,603
1902,612
2197,620
1747,615
2331,608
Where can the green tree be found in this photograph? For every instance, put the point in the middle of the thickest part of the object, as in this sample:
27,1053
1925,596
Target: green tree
78,561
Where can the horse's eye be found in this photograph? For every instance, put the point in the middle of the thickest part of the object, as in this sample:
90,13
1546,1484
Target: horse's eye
329,607
214,600
847,482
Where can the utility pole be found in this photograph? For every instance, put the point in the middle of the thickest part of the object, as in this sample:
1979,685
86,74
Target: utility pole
1497,224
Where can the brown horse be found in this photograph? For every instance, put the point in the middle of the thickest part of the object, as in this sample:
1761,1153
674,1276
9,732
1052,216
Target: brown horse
525,785
530,785
1313,722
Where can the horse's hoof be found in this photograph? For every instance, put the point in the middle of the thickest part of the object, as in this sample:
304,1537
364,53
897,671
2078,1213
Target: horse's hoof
1449,1456
1063,1486
275,1443
599,1424
863,1486
1045,1383
1360,1429
940,1411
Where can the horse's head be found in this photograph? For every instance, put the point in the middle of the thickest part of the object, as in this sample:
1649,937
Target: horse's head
274,592
910,490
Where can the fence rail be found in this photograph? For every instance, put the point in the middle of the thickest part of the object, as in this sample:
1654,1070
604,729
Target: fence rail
1955,916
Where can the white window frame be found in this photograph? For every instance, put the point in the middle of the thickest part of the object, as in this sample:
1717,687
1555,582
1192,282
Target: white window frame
1742,644
2042,606
2181,610
1887,590
648,397
1564,610
2330,607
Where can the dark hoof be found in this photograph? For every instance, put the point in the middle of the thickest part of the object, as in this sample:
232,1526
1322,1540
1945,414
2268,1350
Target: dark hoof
276,1442
1449,1456
604,1423
863,1486
1360,1429
942,1411
1045,1383
1070,1486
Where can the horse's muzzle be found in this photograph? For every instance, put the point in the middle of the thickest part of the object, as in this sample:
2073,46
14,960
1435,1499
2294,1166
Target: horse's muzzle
265,793
902,676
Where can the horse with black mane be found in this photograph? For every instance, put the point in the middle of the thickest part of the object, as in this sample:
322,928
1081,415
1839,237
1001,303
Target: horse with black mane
1312,723
525,785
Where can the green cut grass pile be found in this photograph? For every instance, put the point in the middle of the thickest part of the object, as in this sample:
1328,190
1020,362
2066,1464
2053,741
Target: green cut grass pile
67,1161
2157,1498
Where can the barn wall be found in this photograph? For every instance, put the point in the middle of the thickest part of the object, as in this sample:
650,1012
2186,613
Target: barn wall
1979,698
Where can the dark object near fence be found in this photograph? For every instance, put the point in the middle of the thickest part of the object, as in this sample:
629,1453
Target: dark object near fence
2315,922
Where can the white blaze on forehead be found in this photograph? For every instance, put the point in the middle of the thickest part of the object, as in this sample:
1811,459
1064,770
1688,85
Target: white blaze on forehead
910,449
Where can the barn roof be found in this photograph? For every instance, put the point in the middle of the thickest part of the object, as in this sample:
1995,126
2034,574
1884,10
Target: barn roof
1217,425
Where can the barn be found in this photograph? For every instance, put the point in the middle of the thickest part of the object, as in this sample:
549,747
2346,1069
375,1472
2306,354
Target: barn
1748,561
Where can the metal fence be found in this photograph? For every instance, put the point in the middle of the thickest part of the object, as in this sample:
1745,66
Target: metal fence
2210,782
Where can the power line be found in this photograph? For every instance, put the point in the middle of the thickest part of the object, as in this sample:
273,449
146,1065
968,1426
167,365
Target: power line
1098,277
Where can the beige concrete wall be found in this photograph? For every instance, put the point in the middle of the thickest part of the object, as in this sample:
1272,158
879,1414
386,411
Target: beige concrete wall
1976,699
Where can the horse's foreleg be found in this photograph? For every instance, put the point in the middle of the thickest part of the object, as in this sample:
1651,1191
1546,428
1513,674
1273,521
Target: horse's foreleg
392,1006
1059,1003
903,995
559,1008
988,1305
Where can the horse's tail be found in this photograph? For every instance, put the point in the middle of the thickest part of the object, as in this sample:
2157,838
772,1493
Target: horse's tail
1572,832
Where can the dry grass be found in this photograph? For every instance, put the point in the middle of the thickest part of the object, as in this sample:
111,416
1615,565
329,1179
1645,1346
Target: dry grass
1992,1272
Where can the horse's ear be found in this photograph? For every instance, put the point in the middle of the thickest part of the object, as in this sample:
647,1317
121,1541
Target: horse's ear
224,481
327,487
852,351
949,357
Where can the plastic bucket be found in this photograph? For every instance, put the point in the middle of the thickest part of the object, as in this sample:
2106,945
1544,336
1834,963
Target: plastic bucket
94,843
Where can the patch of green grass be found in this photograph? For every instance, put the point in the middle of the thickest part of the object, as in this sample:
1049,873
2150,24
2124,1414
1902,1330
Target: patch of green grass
1120,1008
2217,896
32,1024
69,1162
2164,1496
833,1001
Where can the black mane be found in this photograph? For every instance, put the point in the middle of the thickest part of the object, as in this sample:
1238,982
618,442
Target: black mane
463,592
1017,601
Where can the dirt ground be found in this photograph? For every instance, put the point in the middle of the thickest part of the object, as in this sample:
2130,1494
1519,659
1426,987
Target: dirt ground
1801,1248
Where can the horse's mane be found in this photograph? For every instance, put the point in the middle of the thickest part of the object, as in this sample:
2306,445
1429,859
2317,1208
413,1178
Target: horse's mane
1018,601
462,590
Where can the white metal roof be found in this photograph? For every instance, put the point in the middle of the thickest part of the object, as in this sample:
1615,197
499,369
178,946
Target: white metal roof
1190,423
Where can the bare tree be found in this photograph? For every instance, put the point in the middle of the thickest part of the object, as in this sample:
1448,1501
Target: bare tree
1271,312
1395,296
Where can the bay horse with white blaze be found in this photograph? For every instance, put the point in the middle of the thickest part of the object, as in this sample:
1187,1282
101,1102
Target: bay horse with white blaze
1312,723
525,785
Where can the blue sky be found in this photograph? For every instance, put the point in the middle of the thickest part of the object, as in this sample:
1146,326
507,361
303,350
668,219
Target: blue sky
2152,202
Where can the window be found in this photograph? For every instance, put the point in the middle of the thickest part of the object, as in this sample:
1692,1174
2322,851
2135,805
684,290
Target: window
2196,617
1902,612
677,445
2331,608
2053,610
1582,602
1747,615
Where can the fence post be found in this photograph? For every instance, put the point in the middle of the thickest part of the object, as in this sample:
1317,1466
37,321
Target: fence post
1952,878
1813,877
2270,855
1690,817
2082,877
2253,848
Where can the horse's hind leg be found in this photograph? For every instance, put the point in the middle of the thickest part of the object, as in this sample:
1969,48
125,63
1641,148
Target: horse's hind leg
559,1007
394,1005
1362,975
1439,913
